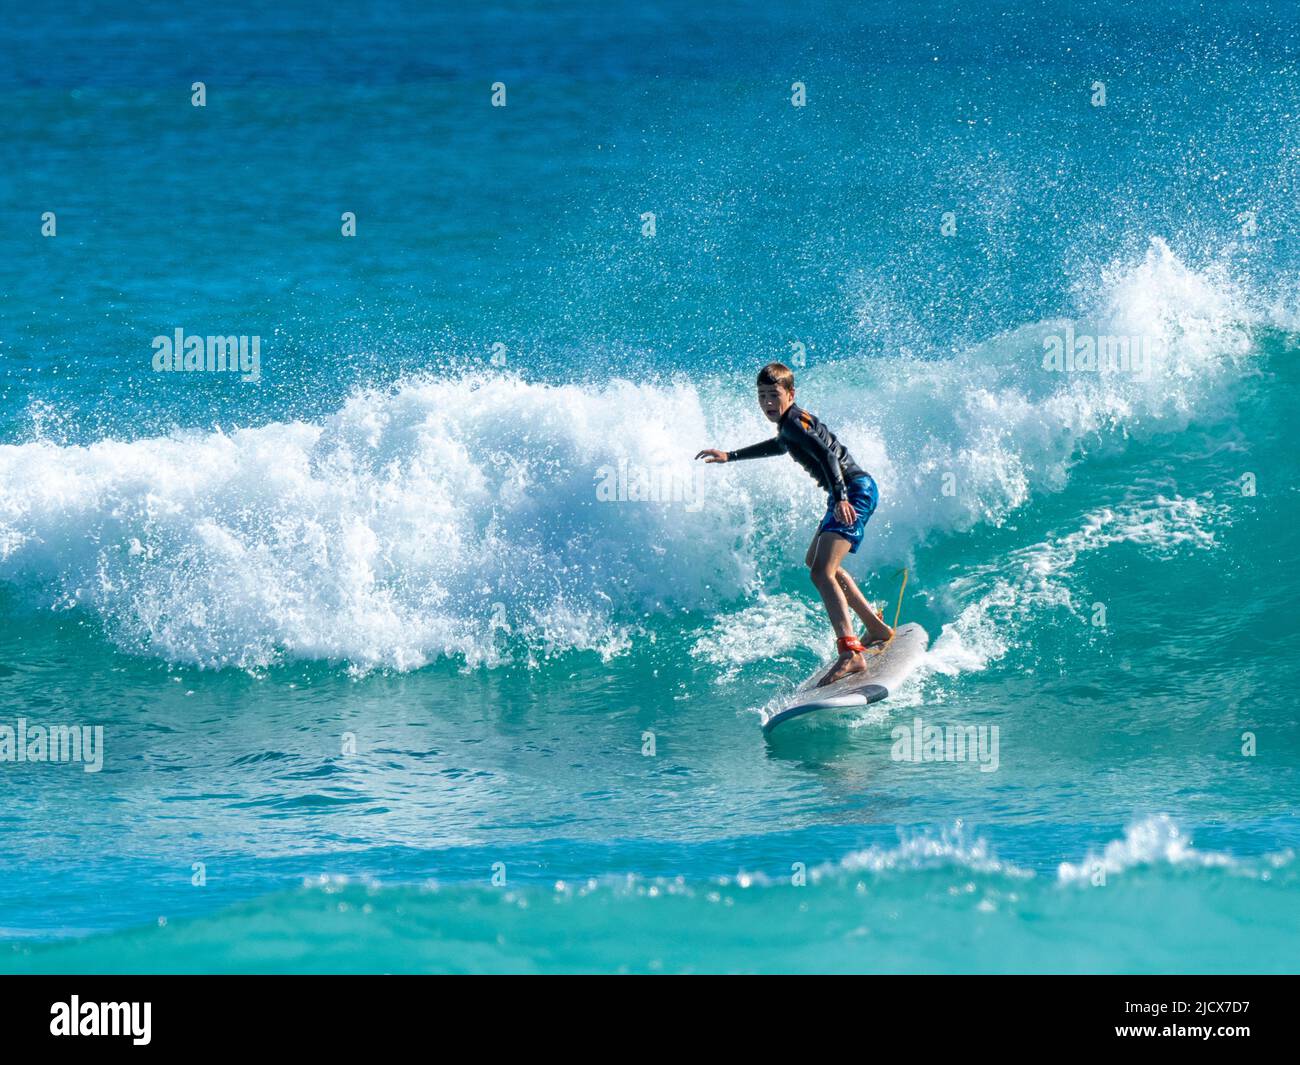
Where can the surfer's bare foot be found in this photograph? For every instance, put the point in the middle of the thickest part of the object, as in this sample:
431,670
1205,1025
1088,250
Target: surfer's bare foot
849,663
877,640
878,633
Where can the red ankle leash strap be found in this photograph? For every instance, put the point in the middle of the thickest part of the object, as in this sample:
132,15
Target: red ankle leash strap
849,643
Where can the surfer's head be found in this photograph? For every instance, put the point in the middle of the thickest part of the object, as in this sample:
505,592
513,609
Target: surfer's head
775,390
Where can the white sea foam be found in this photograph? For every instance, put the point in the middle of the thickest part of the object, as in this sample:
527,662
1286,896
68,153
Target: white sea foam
993,427
461,518
774,626
991,599
1152,841
955,846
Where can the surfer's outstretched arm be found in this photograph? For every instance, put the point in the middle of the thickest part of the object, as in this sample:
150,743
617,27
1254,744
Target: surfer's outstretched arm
763,450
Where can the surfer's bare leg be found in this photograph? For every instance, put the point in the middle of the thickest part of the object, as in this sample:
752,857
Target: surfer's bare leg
877,630
827,552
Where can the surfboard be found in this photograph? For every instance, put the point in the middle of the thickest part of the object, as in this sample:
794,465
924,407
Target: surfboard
885,671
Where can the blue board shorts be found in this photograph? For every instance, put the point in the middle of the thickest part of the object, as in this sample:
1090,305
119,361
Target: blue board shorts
864,496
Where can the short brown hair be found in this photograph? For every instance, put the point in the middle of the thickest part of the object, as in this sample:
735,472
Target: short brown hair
777,373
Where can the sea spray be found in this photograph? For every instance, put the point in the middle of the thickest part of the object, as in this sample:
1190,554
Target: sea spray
423,522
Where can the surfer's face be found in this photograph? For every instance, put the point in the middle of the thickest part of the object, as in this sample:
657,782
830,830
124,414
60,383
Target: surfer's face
775,400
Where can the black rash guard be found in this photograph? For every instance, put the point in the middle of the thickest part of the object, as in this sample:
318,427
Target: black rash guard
807,441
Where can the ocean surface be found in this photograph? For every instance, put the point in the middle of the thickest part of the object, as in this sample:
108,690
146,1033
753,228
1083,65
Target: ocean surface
431,650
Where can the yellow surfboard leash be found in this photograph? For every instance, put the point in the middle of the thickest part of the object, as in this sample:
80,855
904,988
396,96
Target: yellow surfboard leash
899,609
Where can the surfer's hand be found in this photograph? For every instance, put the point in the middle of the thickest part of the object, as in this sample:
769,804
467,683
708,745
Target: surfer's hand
712,454
845,512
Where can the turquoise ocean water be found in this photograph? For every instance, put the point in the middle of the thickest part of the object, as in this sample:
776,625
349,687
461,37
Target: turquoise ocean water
389,682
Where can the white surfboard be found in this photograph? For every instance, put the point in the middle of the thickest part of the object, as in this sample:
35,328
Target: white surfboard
885,671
